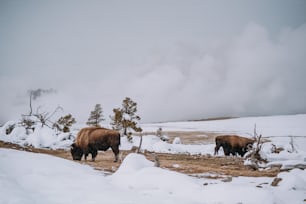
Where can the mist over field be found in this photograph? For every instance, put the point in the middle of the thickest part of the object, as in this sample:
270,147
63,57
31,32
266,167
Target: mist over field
177,60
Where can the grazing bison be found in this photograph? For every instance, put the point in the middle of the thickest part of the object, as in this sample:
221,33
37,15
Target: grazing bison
92,139
233,144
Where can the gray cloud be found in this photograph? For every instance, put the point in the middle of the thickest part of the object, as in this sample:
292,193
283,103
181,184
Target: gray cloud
250,75
177,60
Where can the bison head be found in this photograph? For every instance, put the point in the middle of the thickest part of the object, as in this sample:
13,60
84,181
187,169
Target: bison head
248,147
76,152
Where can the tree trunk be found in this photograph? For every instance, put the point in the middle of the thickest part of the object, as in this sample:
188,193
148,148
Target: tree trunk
30,103
140,143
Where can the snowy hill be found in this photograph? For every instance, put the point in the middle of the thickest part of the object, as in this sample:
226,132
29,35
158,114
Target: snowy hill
28,178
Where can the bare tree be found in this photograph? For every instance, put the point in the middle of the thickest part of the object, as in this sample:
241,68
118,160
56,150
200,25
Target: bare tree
293,149
34,94
44,117
254,152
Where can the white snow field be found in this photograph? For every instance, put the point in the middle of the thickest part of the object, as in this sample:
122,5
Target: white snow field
29,178
36,178
283,125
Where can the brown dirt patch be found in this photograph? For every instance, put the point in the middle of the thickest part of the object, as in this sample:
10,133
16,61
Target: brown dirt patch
198,165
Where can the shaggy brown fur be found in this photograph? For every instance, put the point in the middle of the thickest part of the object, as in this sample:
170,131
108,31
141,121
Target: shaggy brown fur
92,139
233,144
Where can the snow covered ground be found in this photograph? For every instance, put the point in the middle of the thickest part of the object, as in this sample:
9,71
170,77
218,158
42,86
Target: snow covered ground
30,178
36,178
287,132
284,125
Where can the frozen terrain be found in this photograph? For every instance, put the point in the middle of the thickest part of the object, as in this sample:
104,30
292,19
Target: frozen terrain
30,178
285,125
37,178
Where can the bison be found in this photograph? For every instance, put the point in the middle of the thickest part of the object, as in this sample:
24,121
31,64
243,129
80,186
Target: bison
92,139
233,144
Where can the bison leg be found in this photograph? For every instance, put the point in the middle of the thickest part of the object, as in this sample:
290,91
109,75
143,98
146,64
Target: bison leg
226,150
234,151
86,152
94,154
116,152
240,152
217,149
93,151
218,145
85,156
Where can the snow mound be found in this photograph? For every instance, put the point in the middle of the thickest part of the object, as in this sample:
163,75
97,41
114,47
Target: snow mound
136,172
39,137
177,140
295,180
133,163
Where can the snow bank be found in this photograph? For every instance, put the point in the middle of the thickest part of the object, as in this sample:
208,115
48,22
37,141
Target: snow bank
268,126
41,137
291,156
139,174
37,178
28,178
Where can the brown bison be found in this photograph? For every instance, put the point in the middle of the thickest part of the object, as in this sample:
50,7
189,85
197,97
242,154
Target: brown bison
233,144
92,139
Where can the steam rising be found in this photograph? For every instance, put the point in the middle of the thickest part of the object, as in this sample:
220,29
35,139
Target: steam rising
175,68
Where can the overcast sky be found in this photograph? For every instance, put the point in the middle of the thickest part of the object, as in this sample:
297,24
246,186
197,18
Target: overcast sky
177,59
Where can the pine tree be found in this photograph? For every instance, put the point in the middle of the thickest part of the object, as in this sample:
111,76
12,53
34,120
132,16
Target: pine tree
125,118
96,116
64,123
117,119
